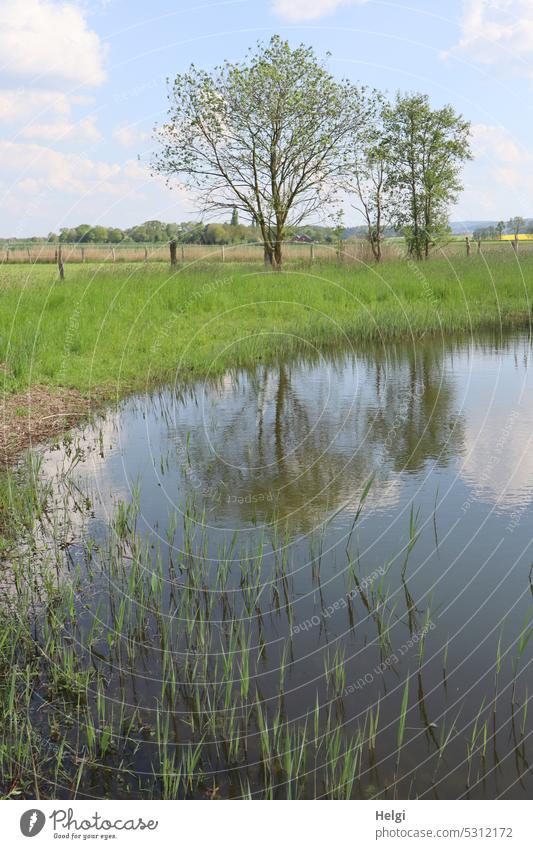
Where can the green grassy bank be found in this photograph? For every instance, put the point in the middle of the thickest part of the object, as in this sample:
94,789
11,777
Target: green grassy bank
131,325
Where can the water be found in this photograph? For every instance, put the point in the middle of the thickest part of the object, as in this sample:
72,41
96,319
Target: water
383,500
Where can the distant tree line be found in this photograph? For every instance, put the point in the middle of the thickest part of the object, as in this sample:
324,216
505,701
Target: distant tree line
188,232
515,226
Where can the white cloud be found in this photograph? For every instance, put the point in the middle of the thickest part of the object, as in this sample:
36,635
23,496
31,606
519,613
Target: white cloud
495,31
128,136
23,105
80,131
499,182
27,166
307,10
52,169
44,189
42,41
497,144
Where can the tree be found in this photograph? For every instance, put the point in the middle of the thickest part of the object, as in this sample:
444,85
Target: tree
172,231
268,136
516,224
500,227
235,217
216,234
115,235
372,180
83,233
428,148
98,234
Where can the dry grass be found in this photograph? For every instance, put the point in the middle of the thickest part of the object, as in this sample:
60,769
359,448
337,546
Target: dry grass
38,414
303,253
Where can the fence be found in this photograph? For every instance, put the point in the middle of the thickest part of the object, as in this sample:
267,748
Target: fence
185,254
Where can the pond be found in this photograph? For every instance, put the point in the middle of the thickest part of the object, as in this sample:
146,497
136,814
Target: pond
304,580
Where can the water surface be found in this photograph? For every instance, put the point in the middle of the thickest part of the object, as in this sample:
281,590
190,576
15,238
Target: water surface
383,498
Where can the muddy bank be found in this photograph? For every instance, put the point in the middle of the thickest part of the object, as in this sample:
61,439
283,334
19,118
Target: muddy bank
38,414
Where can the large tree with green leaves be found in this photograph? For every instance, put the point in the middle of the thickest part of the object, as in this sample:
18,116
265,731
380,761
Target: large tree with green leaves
269,136
428,148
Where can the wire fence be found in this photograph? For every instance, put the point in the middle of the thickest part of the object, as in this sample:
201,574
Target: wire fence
353,251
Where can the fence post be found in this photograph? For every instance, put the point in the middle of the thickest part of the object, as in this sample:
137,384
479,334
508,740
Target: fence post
29,255
173,245
7,254
479,246
113,254
467,240
515,244
223,253
83,254
183,253
312,252
60,263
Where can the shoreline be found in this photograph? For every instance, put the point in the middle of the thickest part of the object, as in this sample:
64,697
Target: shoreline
68,350
34,417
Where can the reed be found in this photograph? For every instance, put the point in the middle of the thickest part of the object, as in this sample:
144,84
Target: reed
151,667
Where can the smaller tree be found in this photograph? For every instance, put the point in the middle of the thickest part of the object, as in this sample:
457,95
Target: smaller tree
234,217
99,234
216,234
500,227
339,232
115,235
372,177
428,148
516,225
84,233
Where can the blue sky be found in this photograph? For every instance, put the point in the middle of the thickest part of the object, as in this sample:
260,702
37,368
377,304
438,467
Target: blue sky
83,83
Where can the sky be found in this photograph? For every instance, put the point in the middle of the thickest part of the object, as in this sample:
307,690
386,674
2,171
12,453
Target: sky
83,83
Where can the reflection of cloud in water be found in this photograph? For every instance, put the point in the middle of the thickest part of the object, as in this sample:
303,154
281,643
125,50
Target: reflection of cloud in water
499,459
80,461
498,456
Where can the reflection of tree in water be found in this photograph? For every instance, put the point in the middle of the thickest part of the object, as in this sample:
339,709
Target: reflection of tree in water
302,439
414,417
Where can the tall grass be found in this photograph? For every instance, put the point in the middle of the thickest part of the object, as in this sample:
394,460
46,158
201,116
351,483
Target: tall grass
143,666
130,325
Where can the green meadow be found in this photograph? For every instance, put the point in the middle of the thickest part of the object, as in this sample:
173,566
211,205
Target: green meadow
128,327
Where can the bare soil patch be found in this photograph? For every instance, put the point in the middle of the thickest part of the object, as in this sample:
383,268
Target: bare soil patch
39,414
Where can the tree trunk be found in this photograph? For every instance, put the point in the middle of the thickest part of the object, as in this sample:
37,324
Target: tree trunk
269,256
277,256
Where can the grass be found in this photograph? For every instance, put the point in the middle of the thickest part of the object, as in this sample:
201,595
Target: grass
134,669
23,499
133,325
